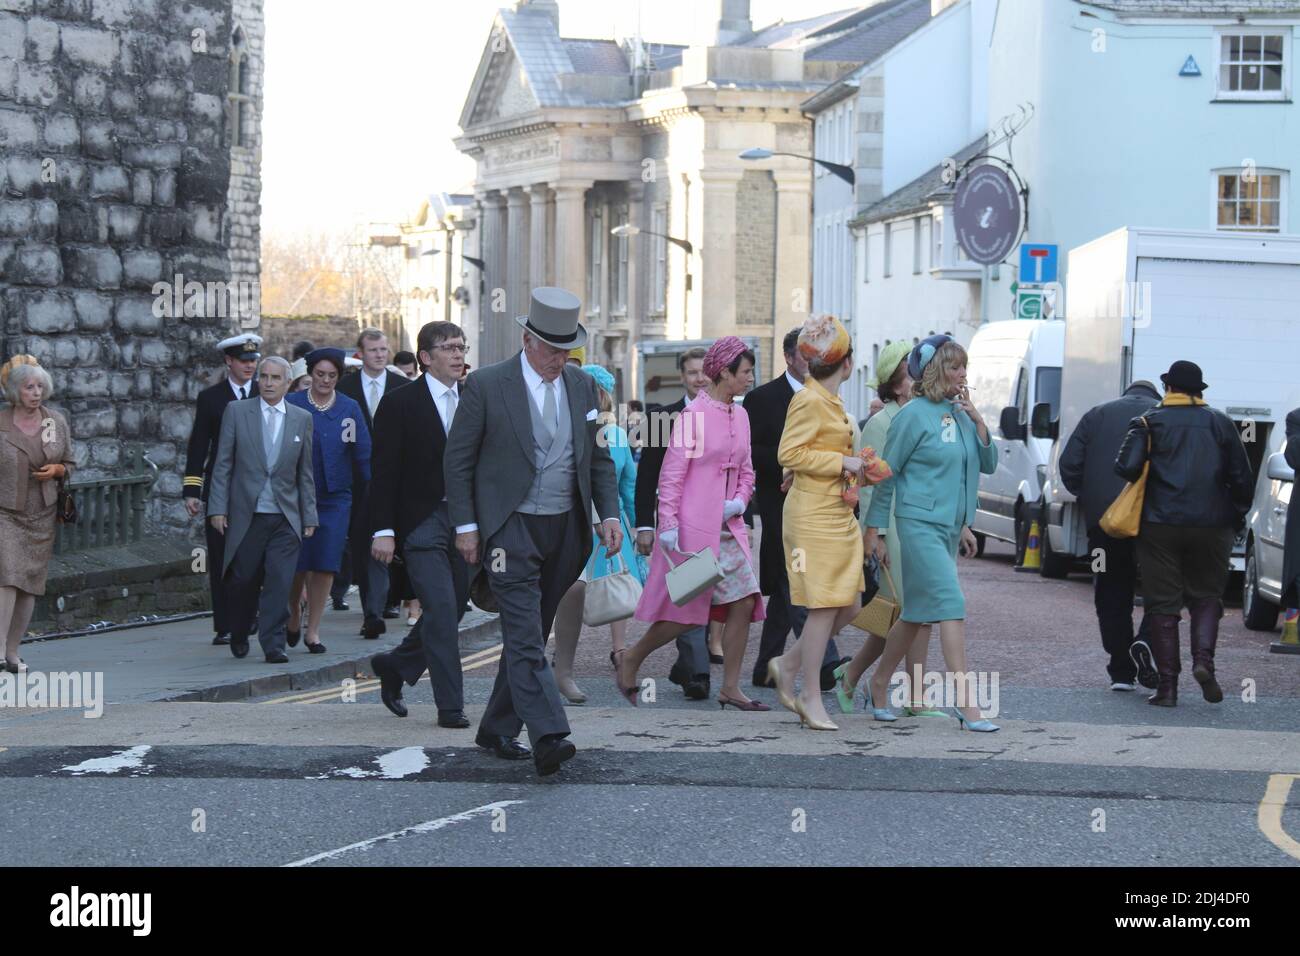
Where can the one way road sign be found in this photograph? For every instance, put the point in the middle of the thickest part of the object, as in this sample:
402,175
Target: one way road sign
1037,263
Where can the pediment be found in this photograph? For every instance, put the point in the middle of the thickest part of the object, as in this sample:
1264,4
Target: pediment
501,87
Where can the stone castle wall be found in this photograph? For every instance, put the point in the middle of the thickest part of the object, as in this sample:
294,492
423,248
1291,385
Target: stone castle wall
244,197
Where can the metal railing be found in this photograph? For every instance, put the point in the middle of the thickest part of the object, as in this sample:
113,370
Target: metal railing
110,511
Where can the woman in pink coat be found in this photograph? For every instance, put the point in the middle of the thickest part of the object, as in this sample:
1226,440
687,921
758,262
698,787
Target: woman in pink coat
704,488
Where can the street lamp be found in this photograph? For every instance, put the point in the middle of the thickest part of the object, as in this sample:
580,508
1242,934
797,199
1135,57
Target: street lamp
844,172
630,230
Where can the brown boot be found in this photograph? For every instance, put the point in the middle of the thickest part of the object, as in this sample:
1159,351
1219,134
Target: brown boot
1205,616
1164,645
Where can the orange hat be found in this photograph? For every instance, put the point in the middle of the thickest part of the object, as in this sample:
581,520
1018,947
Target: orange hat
824,339
13,363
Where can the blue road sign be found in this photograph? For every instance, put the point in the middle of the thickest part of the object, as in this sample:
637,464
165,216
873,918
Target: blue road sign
1037,263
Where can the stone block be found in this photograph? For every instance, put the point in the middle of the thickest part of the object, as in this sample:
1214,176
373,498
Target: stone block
160,156
143,387
46,313
110,182
112,13
157,354
203,224
174,422
164,187
8,250
24,175
130,420
78,223
124,223
203,178
11,37
119,385
92,267
164,97
105,453
90,47
136,314
94,311
64,9
164,227
123,101
37,85
36,263
141,268
88,351
87,383
89,91
61,131
141,187
175,388
164,456
99,139
65,352
8,79
68,176
17,6
17,130
177,56
17,217
97,421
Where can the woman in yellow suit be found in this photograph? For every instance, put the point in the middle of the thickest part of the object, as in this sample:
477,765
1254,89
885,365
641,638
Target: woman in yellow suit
823,549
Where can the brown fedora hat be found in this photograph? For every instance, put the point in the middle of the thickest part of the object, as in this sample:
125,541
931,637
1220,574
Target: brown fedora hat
553,318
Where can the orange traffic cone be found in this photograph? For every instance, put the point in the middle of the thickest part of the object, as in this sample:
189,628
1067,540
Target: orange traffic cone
1033,550
1290,643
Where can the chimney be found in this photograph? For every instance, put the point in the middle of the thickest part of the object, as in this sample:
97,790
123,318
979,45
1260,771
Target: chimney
733,22
549,8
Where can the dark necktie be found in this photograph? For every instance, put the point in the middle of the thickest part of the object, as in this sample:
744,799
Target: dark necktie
241,392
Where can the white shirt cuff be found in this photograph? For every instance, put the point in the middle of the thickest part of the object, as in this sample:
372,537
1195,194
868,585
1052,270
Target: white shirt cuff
386,533
466,528
639,530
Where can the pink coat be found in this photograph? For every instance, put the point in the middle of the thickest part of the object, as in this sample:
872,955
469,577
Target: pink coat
706,463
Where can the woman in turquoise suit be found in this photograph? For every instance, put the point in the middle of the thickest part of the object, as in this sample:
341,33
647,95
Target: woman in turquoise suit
568,617
938,445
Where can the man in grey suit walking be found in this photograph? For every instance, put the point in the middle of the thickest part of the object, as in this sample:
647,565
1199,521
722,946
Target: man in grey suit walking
523,468
264,501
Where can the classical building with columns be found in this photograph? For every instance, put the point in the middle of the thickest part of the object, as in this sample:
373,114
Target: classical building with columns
576,137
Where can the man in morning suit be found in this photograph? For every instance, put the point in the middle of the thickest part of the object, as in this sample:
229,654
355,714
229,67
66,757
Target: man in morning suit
241,354
368,386
691,669
264,501
408,510
523,469
767,406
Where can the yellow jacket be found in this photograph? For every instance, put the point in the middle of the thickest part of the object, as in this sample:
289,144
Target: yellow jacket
818,434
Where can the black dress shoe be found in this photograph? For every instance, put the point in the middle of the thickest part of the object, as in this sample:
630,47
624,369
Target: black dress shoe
827,676
453,719
507,748
760,678
341,606
291,637
552,750
317,648
238,646
677,673
696,689
391,612
390,685
371,630
221,640
276,658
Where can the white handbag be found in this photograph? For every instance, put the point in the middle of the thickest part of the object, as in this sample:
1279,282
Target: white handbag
691,578
612,597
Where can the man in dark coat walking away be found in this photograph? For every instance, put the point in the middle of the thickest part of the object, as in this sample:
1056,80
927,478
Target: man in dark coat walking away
1198,490
767,406
1087,469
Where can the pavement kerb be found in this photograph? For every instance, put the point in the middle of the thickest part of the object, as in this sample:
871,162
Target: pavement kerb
326,674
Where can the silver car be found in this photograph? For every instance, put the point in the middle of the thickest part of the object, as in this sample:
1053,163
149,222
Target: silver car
1265,539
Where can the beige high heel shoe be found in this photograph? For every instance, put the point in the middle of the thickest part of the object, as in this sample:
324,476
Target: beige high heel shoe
784,696
808,722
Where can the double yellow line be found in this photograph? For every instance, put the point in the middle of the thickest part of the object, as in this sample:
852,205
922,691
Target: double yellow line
468,663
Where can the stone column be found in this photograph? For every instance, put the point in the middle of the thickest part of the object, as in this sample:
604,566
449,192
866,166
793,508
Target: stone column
793,256
539,202
717,249
492,308
517,233
571,235
637,247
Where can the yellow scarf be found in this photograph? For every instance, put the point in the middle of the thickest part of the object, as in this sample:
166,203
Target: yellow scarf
1181,398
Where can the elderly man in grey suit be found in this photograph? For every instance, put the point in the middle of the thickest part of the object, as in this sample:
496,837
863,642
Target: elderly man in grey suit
523,468
264,501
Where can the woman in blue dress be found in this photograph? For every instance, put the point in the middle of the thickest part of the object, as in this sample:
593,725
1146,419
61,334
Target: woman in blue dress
340,448
568,616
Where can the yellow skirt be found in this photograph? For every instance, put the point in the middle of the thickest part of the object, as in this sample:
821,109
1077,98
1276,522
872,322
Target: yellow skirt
823,550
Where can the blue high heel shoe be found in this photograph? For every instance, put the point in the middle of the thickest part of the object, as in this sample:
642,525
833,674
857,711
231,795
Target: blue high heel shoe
979,726
879,713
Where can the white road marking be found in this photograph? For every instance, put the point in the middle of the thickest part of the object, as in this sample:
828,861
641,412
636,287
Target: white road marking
132,759
429,826
393,765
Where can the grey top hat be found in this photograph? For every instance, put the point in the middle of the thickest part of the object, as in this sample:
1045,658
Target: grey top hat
553,318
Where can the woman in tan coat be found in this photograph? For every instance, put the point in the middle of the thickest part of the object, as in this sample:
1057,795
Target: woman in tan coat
35,452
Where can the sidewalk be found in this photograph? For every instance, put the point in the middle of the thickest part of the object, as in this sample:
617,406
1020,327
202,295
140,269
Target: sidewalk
177,661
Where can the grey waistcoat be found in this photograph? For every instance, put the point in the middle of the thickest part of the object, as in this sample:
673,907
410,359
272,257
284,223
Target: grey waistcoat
266,503
552,489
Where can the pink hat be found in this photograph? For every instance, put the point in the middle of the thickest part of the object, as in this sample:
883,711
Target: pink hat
721,354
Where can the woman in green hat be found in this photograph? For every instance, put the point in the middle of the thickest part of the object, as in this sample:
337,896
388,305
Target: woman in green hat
894,387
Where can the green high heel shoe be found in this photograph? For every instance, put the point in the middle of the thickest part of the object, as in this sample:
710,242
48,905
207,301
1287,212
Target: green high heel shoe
921,711
843,692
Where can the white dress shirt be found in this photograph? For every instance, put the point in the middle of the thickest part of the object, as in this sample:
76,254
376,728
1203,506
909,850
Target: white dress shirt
273,415
368,390
794,382
235,387
535,385
442,395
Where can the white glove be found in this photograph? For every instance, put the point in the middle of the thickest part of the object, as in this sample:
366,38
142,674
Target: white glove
733,507
668,539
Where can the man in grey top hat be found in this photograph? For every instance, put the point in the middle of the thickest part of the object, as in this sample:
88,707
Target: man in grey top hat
523,468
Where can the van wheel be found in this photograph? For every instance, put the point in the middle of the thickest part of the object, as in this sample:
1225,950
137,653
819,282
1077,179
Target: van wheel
1257,612
1053,565
1021,532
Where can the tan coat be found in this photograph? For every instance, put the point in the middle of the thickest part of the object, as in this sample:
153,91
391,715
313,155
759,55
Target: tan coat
15,466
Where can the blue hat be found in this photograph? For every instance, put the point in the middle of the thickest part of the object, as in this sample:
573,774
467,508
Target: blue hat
604,378
325,353
922,353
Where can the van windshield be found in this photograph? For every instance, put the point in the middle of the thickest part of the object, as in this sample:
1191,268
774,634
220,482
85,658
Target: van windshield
1047,387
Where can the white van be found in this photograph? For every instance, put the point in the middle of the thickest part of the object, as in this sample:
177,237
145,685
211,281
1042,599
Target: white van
1014,365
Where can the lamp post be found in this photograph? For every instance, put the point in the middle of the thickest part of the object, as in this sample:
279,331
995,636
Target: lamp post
629,230
839,169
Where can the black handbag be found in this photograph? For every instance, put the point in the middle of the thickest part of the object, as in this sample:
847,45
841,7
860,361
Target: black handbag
65,505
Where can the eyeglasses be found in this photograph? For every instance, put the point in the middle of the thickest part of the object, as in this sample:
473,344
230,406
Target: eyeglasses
453,349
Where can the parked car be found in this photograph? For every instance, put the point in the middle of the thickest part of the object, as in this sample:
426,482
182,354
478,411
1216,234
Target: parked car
1261,592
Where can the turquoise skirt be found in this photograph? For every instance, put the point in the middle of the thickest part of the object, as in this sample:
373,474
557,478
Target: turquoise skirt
931,591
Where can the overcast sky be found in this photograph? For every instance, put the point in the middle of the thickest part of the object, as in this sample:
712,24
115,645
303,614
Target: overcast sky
363,99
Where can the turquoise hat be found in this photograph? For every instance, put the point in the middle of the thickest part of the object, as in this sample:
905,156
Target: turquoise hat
604,378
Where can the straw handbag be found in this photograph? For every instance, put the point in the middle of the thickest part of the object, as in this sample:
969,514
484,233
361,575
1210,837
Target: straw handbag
1124,516
879,616
611,597
691,578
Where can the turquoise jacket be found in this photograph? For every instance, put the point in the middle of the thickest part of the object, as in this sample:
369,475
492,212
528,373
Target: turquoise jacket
936,455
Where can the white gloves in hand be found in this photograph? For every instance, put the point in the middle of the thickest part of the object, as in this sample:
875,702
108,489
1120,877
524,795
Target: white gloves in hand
668,539
733,507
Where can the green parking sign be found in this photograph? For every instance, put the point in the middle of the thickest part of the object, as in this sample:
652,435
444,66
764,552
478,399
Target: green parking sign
1029,304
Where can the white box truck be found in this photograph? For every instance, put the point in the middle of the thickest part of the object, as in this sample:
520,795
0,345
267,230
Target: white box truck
1139,299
